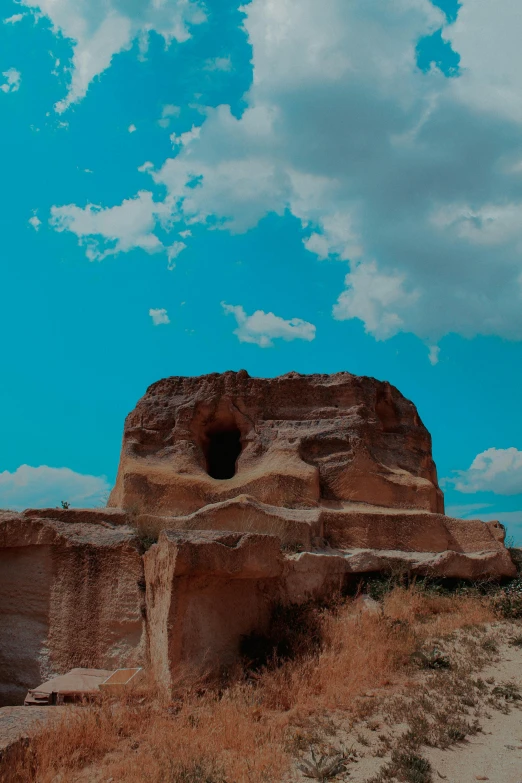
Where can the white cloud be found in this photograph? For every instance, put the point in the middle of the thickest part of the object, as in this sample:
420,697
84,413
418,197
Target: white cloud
494,470
110,230
262,328
376,298
505,517
14,19
13,79
173,252
424,180
159,316
465,510
132,128
99,30
433,354
412,178
35,222
219,64
43,487
185,138
168,111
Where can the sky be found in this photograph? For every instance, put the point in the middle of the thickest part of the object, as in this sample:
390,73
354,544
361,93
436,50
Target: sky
277,185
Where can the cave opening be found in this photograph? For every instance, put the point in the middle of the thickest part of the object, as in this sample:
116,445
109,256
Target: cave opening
224,447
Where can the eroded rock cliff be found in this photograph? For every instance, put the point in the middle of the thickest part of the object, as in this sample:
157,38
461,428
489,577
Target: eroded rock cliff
293,441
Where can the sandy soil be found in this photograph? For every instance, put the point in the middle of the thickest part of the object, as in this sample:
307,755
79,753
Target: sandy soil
496,753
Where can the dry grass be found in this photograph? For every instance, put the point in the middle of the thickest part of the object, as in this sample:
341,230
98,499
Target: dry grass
248,731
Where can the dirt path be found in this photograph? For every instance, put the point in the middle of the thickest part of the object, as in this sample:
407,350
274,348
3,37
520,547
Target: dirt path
495,754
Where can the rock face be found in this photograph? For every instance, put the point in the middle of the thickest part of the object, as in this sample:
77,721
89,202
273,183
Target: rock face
294,441
69,596
205,590
258,492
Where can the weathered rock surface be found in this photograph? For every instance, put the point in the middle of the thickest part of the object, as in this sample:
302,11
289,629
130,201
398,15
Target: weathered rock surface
69,596
259,491
291,441
205,590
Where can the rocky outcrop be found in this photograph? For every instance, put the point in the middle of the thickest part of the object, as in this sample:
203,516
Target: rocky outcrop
71,594
293,441
258,492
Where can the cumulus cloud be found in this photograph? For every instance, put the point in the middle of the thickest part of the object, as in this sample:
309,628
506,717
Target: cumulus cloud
14,19
35,222
13,79
43,487
159,316
185,138
110,230
174,250
423,173
132,129
168,111
262,328
494,470
412,178
99,30
433,354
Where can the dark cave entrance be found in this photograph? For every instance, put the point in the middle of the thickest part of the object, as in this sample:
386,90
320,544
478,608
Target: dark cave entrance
224,447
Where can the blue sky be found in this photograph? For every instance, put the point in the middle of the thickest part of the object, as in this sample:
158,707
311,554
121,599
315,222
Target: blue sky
281,186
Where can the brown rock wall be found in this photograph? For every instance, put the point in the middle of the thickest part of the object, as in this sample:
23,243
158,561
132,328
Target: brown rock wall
205,590
69,596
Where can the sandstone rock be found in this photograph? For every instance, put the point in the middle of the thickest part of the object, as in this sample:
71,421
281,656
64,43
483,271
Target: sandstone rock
261,491
371,527
295,527
292,441
91,516
205,590
69,596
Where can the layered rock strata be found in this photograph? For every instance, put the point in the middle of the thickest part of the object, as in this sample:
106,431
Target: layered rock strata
257,492
293,441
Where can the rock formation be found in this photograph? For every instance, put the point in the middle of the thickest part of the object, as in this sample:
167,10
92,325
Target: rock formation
257,491
294,441
71,594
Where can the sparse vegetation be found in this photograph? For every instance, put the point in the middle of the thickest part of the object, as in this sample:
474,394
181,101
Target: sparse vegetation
259,724
509,691
325,767
507,601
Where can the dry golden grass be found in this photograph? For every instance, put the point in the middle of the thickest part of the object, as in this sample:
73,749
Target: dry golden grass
243,733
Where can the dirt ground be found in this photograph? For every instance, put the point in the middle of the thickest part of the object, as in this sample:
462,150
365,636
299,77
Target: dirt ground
491,751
